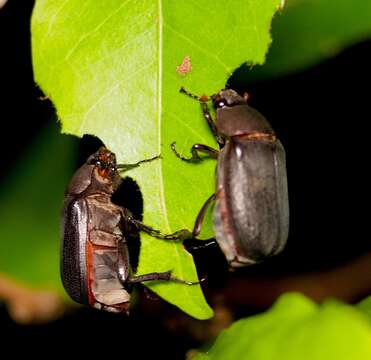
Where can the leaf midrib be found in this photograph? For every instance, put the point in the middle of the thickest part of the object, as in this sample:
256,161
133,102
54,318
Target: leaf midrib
159,116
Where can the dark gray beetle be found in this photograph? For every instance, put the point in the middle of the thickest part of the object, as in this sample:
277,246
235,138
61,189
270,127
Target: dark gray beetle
95,267
251,213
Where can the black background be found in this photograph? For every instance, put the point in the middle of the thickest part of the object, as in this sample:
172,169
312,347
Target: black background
321,116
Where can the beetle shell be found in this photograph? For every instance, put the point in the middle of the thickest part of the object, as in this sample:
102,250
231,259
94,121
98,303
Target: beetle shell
73,249
251,214
87,180
93,249
90,237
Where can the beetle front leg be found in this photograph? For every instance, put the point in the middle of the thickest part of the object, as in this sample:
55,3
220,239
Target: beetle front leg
125,167
164,276
205,110
195,149
179,235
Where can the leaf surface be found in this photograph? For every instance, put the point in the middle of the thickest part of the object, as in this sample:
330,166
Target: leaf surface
296,328
114,69
31,200
310,31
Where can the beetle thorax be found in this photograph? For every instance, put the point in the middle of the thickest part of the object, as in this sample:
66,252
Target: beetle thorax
241,120
106,183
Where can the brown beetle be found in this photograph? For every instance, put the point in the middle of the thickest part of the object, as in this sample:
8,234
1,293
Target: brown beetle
251,213
95,267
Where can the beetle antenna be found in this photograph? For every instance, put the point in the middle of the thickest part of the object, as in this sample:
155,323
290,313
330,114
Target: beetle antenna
202,98
184,91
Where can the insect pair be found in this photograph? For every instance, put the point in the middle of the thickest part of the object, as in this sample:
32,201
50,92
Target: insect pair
250,216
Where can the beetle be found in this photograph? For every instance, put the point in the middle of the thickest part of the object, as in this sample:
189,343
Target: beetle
251,212
95,267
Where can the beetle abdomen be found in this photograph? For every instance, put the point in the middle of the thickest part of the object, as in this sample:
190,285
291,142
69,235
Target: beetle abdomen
254,215
73,251
106,288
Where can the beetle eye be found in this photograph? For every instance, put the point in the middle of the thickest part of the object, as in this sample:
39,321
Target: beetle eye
98,163
220,104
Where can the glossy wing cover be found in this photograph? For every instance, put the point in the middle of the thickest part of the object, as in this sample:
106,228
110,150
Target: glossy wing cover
73,248
252,222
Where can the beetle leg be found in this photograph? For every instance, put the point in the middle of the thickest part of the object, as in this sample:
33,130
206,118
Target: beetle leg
183,234
164,276
205,109
123,261
194,243
201,215
197,244
123,270
180,235
125,167
195,149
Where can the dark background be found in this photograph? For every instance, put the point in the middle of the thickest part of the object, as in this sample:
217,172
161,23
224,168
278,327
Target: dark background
321,116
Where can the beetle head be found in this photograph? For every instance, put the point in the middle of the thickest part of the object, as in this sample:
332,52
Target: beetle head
227,98
105,169
234,117
104,160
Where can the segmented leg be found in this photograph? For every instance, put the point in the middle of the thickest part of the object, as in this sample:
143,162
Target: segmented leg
201,215
195,149
128,219
194,243
197,244
180,235
125,276
219,139
164,276
205,109
125,167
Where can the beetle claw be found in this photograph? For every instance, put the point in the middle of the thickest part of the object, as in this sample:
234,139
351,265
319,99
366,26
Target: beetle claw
181,281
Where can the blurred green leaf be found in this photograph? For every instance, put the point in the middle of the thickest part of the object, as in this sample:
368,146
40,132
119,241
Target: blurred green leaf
113,69
310,31
296,328
365,307
30,204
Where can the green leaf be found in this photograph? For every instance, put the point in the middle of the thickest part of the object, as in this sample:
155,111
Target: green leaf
297,328
113,69
30,204
365,307
310,31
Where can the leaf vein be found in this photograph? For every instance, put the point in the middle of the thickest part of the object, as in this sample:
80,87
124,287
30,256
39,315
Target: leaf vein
86,35
107,93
